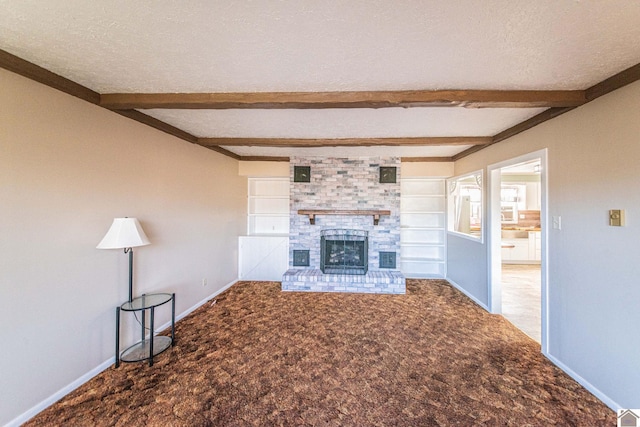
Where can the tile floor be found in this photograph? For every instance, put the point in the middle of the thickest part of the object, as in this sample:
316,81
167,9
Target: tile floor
521,297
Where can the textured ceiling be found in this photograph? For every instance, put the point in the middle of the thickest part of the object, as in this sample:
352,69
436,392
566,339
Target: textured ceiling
341,45
345,123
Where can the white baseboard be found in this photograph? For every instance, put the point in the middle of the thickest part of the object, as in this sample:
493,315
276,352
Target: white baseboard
464,291
35,410
199,304
24,417
584,383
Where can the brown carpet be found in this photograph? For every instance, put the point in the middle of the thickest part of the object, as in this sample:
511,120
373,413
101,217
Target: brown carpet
261,357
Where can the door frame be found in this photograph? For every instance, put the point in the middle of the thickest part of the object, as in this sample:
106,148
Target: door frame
495,238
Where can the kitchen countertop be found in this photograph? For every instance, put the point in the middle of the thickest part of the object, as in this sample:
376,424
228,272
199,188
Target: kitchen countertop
521,228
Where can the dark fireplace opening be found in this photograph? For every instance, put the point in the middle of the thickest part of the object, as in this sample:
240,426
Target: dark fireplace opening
344,251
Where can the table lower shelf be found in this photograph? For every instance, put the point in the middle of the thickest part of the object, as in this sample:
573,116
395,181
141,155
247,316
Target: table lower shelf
141,350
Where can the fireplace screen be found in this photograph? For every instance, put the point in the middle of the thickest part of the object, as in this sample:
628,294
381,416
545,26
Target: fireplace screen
343,251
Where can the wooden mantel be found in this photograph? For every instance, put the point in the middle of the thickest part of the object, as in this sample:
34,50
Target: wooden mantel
313,212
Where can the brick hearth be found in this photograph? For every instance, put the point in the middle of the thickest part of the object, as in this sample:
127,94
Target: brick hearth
312,280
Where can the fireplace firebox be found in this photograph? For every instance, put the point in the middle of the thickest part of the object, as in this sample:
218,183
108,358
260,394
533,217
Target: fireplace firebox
344,251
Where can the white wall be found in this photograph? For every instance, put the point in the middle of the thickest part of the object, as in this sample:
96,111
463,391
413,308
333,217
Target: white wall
467,267
409,169
593,158
263,169
425,169
67,168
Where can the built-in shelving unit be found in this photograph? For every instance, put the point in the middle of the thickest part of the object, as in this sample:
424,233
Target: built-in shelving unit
422,227
264,253
268,206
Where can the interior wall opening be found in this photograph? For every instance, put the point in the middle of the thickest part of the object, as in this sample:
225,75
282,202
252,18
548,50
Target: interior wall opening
521,246
518,242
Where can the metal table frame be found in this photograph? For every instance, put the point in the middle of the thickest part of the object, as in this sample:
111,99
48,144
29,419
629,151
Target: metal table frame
144,349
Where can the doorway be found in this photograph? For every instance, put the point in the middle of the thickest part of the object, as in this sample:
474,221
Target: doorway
517,195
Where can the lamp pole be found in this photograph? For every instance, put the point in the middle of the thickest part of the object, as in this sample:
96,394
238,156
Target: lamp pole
130,252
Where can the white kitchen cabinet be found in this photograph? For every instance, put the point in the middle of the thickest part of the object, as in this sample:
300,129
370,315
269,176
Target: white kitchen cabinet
515,250
535,246
522,250
533,196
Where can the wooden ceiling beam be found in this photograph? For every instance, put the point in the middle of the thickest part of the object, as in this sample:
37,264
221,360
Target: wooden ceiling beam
224,151
514,130
426,159
35,72
623,78
559,102
344,142
264,159
529,123
172,130
402,159
157,124
614,82
370,99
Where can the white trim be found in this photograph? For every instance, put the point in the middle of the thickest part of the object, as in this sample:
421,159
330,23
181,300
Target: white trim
494,251
464,291
36,409
584,383
466,236
200,303
439,262
494,256
251,195
450,211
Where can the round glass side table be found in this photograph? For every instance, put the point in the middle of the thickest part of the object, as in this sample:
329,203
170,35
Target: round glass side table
146,348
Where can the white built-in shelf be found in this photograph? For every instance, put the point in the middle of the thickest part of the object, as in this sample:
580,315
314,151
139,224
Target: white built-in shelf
268,206
422,227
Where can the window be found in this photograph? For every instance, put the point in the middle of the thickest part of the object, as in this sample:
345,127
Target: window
268,206
465,205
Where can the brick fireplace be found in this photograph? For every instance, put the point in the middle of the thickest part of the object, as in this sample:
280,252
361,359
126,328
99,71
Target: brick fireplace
344,251
357,196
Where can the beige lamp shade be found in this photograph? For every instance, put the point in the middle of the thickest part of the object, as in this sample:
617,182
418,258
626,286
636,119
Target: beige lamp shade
124,233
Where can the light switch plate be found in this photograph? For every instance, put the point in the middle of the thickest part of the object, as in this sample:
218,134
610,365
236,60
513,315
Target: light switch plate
616,217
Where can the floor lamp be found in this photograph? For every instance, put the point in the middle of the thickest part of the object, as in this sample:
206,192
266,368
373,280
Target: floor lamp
125,233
